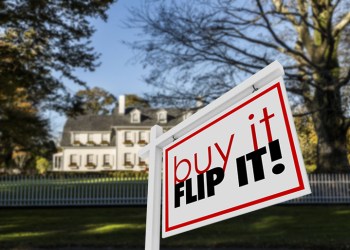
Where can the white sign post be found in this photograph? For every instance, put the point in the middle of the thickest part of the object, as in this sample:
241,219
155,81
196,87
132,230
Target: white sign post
238,154
154,194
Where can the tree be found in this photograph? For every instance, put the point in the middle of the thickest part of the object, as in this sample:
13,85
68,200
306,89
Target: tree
200,48
308,141
20,157
96,101
136,101
41,44
22,128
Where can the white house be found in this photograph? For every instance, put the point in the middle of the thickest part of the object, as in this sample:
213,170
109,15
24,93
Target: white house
111,142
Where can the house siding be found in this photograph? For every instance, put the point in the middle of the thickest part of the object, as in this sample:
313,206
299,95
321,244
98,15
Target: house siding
83,135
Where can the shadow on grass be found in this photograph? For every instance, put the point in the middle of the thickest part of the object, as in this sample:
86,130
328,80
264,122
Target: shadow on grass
72,227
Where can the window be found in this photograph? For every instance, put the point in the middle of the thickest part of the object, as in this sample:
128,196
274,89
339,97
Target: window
105,137
142,162
128,159
162,116
106,160
73,160
90,137
128,138
135,117
76,137
58,162
90,141
90,159
143,136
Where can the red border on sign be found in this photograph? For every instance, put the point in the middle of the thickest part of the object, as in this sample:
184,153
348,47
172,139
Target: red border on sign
251,203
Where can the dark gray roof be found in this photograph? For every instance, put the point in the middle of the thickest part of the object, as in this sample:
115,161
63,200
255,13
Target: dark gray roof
106,122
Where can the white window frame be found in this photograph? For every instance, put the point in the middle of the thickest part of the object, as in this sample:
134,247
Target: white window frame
107,159
105,137
135,117
73,159
162,116
143,136
76,137
141,160
58,160
90,137
88,159
128,158
128,136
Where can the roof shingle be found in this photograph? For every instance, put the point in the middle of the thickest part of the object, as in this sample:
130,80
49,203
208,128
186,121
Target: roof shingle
91,123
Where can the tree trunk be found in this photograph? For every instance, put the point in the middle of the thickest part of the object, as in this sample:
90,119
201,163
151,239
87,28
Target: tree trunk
331,130
332,152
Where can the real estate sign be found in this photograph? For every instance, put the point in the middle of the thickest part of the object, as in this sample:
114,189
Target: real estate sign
242,159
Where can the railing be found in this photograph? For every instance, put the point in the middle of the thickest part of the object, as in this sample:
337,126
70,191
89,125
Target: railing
326,189
18,191
24,191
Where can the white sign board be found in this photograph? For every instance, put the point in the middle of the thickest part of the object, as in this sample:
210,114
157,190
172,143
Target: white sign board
245,158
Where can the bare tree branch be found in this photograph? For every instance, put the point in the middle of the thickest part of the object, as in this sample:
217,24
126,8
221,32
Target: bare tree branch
280,41
341,24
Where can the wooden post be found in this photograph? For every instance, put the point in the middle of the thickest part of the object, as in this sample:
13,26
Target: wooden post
152,240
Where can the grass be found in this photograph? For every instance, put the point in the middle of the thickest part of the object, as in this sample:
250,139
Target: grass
315,227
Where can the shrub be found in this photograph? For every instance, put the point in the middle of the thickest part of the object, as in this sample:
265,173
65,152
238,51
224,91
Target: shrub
42,165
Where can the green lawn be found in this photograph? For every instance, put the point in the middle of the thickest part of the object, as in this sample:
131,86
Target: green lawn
315,227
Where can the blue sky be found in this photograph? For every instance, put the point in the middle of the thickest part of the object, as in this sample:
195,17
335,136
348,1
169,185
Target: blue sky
117,73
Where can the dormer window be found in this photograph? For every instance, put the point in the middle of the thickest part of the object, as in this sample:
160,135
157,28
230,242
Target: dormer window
162,116
135,116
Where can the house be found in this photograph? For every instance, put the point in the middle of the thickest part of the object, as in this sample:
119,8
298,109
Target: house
111,142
